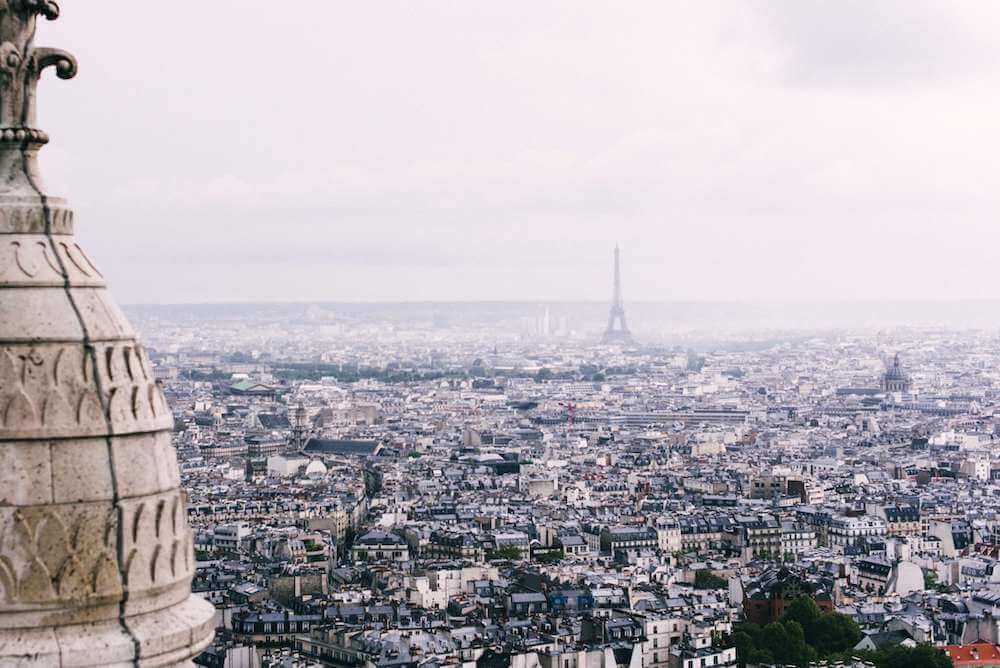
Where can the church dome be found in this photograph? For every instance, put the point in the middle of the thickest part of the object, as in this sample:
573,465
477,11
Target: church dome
895,378
896,370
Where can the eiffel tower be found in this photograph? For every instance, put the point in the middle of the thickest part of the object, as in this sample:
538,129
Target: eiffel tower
617,331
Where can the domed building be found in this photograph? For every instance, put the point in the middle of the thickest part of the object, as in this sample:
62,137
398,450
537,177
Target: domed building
895,379
315,470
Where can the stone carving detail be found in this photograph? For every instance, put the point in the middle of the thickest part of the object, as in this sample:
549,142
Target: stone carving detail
160,551
50,390
32,260
70,552
47,8
58,553
21,65
33,220
92,520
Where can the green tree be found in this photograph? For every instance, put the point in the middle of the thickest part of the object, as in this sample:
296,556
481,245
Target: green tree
898,656
834,632
774,638
797,650
509,552
744,644
786,642
804,611
827,632
803,635
761,657
552,557
921,656
706,579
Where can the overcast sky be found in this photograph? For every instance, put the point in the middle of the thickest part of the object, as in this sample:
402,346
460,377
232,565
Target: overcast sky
237,150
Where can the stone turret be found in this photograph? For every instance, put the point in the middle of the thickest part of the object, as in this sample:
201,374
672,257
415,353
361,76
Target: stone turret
96,555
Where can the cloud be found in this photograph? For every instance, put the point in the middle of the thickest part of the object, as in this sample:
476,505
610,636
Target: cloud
432,150
883,42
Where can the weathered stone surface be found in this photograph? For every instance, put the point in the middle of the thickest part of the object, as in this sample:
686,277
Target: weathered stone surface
85,388
96,555
32,260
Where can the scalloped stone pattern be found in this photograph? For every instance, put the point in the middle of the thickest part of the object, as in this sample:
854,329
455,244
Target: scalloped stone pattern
66,390
96,556
26,260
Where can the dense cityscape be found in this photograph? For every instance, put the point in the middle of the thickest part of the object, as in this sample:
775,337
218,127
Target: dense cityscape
381,487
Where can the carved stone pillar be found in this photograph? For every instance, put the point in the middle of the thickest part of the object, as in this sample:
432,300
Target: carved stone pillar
96,555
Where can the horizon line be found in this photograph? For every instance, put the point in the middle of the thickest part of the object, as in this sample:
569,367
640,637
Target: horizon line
543,302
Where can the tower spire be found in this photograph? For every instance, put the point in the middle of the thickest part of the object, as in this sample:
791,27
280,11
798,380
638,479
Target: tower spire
616,300
617,331
96,558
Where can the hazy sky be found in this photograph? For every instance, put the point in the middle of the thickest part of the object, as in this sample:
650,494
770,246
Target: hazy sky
250,150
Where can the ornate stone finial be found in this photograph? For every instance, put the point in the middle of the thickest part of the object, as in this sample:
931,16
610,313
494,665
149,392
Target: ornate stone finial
21,66
96,555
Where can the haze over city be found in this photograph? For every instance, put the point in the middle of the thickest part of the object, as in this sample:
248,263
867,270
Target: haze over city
401,151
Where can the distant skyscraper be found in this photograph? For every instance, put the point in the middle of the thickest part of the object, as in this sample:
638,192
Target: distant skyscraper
617,331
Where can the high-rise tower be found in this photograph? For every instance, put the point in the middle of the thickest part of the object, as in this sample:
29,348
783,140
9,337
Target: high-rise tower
96,556
617,331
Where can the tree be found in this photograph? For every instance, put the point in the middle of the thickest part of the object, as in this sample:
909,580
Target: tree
775,639
797,650
827,632
509,552
804,611
834,632
785,642
803,635
898,656
744,644
551,557
705,579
